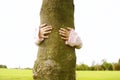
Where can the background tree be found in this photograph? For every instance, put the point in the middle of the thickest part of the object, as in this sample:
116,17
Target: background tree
119,61
106,66
3,66
97,67
55,60
116,66
83,67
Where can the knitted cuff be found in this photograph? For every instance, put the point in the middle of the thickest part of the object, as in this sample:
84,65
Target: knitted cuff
73,39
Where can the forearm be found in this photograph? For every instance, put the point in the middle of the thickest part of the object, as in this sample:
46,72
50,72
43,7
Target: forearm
74,40
37,39
79,43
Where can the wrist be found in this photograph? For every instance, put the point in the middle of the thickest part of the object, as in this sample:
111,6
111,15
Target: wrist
38,41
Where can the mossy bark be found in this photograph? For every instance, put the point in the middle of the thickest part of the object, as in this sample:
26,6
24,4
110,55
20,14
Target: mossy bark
55,60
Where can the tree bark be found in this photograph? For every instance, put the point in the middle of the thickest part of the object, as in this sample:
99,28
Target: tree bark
55,60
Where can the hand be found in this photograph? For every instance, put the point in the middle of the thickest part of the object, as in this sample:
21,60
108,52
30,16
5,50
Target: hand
44,30
65,33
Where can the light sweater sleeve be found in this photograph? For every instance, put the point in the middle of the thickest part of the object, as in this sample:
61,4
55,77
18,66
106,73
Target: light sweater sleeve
74,40
36,37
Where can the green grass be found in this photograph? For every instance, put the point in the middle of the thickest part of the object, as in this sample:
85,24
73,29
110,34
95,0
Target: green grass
98,75
16,74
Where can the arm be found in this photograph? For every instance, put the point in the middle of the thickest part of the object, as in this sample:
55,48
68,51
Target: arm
71,37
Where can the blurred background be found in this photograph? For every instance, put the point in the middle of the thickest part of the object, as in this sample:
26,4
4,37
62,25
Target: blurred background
97,22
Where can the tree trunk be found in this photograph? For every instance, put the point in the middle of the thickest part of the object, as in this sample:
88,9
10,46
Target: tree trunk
55,60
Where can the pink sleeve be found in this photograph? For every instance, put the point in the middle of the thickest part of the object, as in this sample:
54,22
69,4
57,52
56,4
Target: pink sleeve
74,40
37,39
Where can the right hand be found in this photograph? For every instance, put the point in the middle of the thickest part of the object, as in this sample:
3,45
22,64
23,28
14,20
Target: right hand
44,30
65,33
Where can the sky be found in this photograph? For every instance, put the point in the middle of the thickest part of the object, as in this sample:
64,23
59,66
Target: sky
97,23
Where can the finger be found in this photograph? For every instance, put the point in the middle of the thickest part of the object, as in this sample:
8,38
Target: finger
64,38
62,29
47,32
63,32
43,25
69,28
45,36
63,35
47,28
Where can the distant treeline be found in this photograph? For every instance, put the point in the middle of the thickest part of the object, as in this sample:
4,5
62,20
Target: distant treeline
3,66
95,67
100,67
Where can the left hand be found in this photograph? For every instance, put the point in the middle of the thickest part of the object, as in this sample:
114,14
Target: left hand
65,33
44,30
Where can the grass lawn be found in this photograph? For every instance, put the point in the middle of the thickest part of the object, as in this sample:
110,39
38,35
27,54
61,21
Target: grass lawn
16,74
98,75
